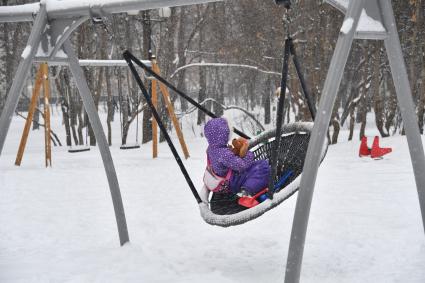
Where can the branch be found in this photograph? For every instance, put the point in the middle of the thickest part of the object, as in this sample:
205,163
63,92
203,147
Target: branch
137,112
54,138
198,25
223,65
230,107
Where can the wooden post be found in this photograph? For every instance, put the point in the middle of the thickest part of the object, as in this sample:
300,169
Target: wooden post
170,109
31,110
154,123
47,141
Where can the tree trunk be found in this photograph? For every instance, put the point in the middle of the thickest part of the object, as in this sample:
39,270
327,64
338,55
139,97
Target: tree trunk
421,104
82,123
147,114
202,94
379,94
266,102
336,127
123,109
59,82
110,105
392,105
352,123
181,39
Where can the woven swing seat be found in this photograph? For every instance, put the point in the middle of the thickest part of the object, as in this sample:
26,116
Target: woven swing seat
222,209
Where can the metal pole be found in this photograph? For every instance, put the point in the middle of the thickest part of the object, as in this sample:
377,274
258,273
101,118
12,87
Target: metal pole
21,74
312,161
57,10
19,13
108,163
404,97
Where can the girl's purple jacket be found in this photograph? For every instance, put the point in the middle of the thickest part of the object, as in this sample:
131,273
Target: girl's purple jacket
247,174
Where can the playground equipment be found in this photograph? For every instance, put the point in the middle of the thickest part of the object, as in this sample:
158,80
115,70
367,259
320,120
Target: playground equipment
170,109
284,147
41,80
224,209
81,148
93,63
126,146
376,152
357,14
53,23
364,150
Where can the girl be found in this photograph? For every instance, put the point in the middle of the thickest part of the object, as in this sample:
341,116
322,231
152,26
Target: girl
246,174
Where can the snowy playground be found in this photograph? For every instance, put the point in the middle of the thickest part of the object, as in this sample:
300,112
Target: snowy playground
339,209
58,223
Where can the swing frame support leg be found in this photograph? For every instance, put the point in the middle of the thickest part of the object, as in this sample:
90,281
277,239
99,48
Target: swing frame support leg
41,80
317,141
91,110
172,115
170,109
58,27
47,130
22,73
31,110
333,80
405,100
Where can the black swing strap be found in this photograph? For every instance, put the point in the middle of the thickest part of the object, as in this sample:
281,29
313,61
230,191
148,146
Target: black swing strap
281,106
145,93
179,92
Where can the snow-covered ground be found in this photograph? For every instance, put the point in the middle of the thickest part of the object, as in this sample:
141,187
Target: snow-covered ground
58,223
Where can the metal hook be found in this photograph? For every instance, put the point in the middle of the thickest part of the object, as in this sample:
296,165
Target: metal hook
99,17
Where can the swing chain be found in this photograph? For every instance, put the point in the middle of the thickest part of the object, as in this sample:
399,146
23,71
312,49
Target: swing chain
287,22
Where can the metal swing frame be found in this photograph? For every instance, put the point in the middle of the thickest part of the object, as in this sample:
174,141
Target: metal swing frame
53,23
57,23
382,12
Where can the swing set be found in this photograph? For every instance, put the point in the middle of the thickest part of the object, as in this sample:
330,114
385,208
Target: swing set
299,147
157,87
42,81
